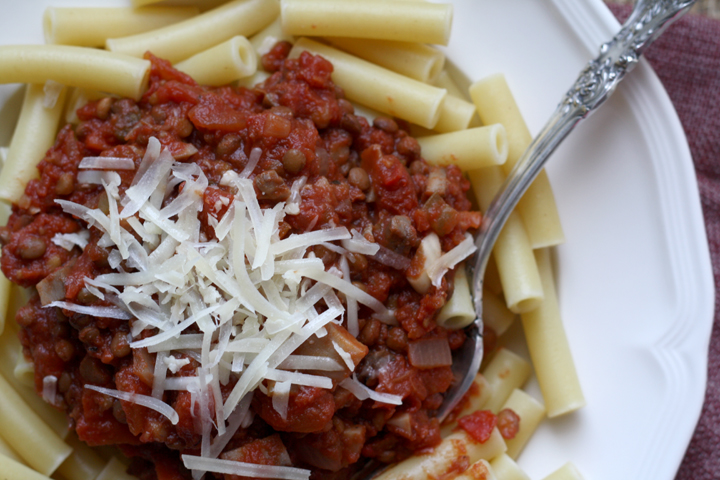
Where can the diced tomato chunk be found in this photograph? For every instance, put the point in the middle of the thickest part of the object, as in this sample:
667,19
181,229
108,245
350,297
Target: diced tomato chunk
479,425
508,423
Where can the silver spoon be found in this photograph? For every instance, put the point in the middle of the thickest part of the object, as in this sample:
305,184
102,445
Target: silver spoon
593,86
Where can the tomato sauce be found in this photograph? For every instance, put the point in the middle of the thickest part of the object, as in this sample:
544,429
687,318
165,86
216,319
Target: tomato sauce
367,177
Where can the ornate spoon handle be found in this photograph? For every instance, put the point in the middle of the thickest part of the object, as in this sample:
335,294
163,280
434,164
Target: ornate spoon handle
593,86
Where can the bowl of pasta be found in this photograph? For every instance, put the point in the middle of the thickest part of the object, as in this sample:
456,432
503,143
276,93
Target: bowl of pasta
237,234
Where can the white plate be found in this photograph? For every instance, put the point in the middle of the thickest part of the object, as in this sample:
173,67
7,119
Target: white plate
635,280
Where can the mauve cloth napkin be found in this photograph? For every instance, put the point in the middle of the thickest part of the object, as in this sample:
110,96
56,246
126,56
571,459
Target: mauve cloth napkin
687,60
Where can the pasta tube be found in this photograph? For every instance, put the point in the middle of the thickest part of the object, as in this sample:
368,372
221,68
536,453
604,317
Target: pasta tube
455,114
34,135
505,373
78,98
6,449
182,40
505,468
83,463
459,311
21,426
468,149
422,22
444,80
251,81
495,314
9,348
90,27
377,87
266,38
549,347
367,113
442,460
114,470
566,472
5,284
24,370
415,60
496,104
222,64
531,412
203,5
512,252
74,66
14,470
492,278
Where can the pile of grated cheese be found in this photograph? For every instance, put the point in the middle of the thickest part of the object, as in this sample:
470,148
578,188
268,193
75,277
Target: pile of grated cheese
252,296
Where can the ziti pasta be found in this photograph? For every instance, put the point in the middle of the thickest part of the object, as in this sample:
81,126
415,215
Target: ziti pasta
254,281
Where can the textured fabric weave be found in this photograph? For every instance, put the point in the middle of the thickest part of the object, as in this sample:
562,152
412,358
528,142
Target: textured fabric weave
687,60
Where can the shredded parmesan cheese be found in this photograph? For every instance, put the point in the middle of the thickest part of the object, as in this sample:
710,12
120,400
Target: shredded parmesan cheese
249,298
105,312
244,469
70,240
448,260
149,402
347,358
363,393
49,393
107,163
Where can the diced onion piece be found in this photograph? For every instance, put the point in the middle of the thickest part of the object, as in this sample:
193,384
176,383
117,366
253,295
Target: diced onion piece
403,421
52,288
391,259
430,353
